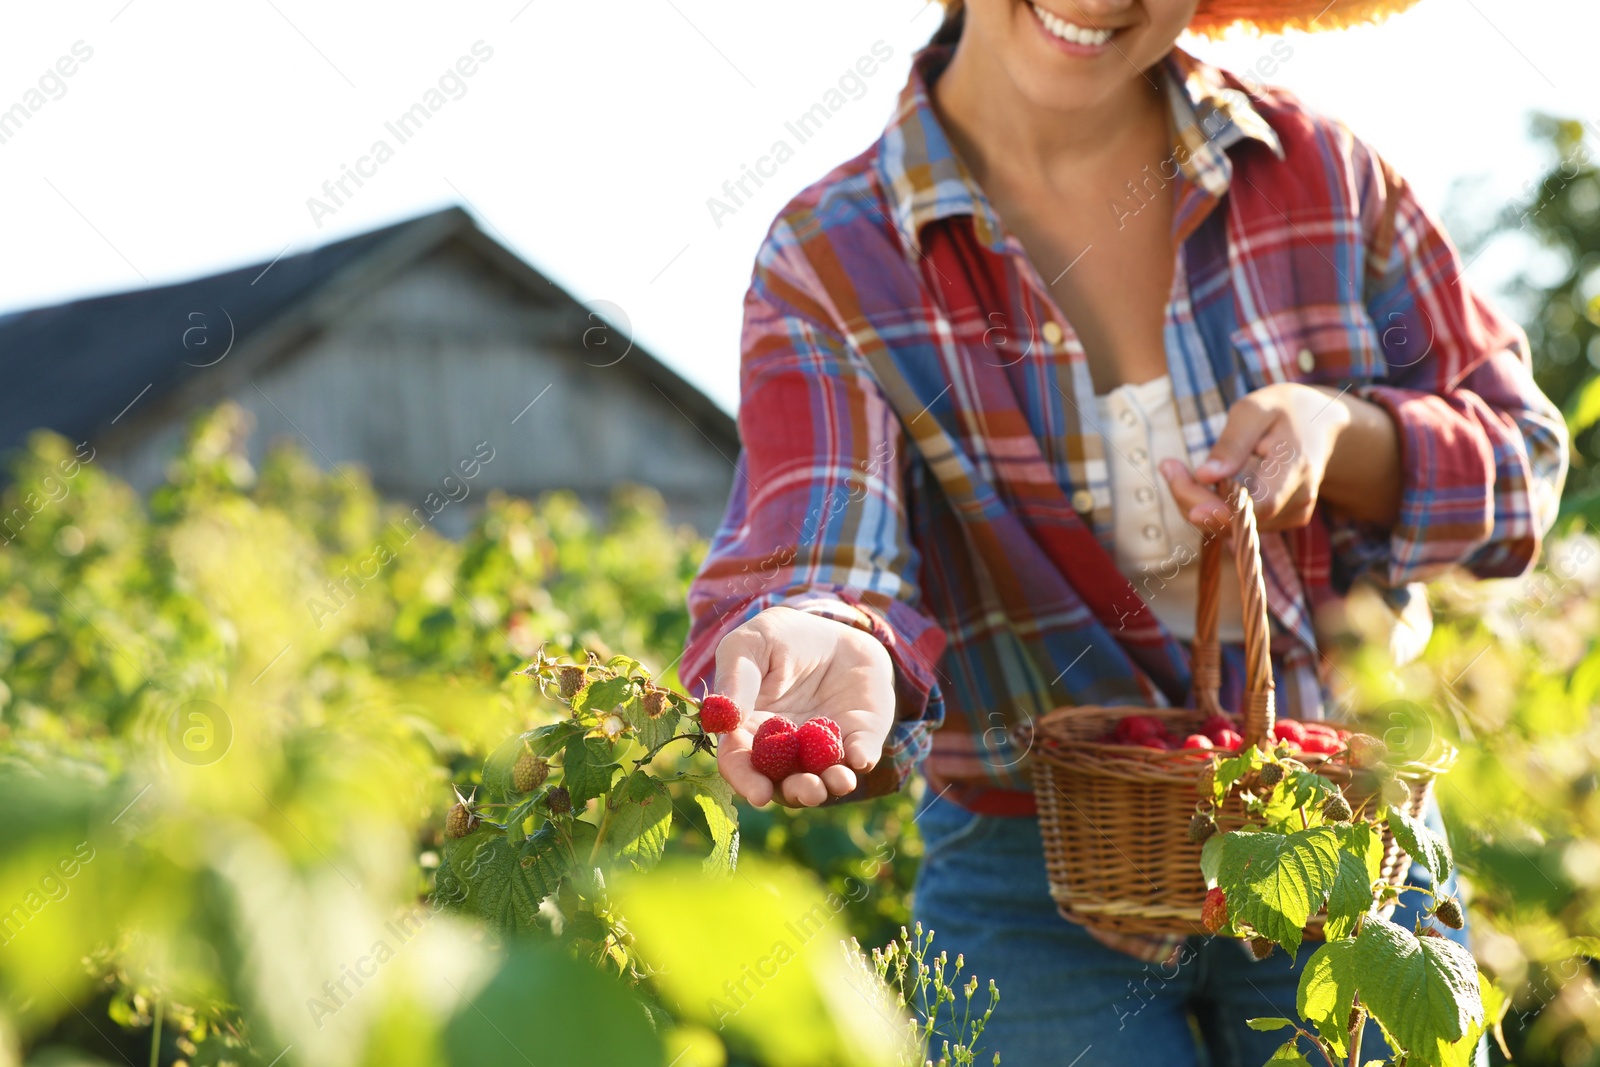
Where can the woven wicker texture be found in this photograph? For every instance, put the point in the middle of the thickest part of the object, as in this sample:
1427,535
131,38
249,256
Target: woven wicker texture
1115,818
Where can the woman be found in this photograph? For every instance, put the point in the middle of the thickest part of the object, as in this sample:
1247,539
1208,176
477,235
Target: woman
993,369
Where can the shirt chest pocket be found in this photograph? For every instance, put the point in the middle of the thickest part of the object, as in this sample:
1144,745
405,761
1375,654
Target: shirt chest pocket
1323,344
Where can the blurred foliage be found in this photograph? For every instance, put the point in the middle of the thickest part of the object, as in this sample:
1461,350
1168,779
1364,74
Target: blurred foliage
1515,664
1559,293
232,718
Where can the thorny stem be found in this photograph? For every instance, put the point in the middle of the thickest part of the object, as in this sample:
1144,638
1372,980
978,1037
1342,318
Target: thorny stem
1359,1019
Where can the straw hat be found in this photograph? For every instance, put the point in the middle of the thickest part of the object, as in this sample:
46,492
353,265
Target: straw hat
1273,16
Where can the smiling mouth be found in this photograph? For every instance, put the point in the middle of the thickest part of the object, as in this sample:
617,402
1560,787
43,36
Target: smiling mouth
1071,31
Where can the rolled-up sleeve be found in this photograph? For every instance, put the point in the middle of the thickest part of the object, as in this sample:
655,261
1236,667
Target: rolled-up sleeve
817,519
1483,450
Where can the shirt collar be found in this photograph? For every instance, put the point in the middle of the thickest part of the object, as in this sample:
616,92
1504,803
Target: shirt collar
926,180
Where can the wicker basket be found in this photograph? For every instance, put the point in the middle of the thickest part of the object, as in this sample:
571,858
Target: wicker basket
1115,818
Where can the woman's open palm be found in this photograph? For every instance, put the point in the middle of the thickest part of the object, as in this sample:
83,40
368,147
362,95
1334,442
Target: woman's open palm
791,663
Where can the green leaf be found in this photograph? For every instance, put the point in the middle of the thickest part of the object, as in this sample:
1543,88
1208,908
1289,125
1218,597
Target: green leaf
587,769
554,851
1231,770
1360,862
1423,990
1421,843
1289,1054
1275,882
541,1007
1307,789
1272,1022
1327,990
640,816
625,665
1211,859
500,889
599,697
586,926
656,731
1463,1053
715,797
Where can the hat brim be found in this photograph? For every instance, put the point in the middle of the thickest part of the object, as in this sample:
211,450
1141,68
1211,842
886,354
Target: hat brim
1214,17
1275,16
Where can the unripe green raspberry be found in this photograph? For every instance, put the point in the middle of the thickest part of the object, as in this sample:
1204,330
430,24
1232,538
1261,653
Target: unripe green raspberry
460,820
529,773
1201,827
1336,808
1448,911
569,680
654,702
558,800
1271,774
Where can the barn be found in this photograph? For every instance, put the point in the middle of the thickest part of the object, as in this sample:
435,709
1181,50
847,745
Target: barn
407,350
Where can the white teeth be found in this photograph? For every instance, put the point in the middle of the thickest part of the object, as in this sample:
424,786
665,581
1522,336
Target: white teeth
1071,31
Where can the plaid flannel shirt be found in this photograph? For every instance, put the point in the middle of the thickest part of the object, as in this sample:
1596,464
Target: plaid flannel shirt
917,460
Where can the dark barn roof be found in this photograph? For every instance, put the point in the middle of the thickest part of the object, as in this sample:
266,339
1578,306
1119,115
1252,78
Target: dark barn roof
76,368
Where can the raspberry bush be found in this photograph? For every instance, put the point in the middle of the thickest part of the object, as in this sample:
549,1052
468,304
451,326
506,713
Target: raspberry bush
1309,849
565,805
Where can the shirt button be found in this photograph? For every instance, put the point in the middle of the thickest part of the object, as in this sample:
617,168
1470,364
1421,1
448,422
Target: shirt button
1306,360
1052,332
1083,501
1152,532
1128,417
1144,494
1138,455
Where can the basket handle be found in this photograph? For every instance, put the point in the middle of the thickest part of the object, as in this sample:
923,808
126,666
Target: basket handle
1207,653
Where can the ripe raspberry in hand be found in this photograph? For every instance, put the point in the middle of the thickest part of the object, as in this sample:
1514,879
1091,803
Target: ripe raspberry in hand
820,747
719,714
775,752
1214,912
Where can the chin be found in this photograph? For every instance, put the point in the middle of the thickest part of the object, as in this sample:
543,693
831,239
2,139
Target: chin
1067,54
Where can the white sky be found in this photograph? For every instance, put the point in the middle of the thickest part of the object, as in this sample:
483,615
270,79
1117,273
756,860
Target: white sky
590,141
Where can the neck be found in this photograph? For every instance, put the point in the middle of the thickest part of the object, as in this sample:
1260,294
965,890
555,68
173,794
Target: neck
1001,134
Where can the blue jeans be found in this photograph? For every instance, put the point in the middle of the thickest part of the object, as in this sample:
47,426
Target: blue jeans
1064,997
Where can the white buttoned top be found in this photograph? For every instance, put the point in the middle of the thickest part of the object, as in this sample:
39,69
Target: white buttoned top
1157,549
